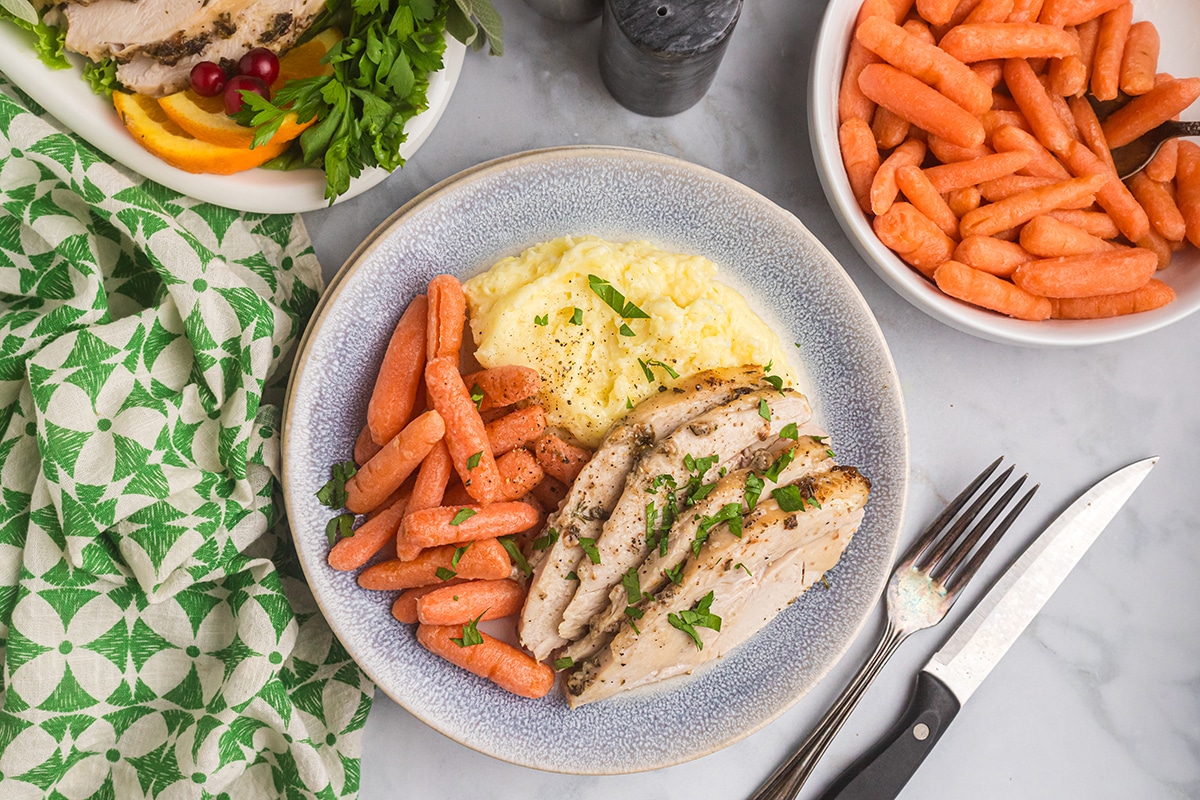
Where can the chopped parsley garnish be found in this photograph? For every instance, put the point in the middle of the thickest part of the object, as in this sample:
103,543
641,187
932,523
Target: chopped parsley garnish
589,549
458,554
764,410
576,317
542,321
779,465
675,574
339,528
695,489
633,588
825,579
470,634
566,662
790,431
571,576
754,487
628,402
445,574
333,493
789,498
514,552
775,381
462,516
730,512
614,299
473,460
742,566
700,615
646,371
546,540
661,480
670,370
702,491
476,395
625,330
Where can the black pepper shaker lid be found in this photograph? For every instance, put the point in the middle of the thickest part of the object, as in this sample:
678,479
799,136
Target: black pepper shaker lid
658,57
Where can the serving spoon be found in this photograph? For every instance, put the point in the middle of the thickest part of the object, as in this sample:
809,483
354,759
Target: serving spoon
1131,158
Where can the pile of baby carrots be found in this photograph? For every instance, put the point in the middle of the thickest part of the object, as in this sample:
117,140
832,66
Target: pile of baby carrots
455,476
976,113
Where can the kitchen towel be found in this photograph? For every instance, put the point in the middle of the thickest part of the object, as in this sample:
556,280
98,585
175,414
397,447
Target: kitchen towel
158,639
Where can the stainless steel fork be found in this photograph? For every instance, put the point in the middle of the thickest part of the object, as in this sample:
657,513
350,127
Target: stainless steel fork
922,589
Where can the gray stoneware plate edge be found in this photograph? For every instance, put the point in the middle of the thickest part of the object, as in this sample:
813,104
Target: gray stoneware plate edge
763,250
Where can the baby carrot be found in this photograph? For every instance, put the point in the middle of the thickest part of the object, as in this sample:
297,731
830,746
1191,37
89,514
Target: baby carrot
1068,75
1036,105
1160,206
921,105
550,493
990,11
926,199
852,103
936,12
456,495
519,473
861,158
1110,48
364,446
1009,185
515,429
926,62
1097,223
502,664
1025,11
560,459
1111,272
988,40
883,186
458,605
889,129
428,491
919,29
466,437
1139,63
485,559
405,607
392,465
1150,110
1187,188
948,177
991,255
1113,196
431,527
446,317
1154,294
1162,167
503,386
370,537
1048,237
990,72
963,200
1090,131
914,237
1020,208
988,291
400,374
950,153
1042,163
1075,12
1155,243
993,120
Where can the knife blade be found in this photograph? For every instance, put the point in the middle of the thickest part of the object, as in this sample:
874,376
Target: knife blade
955,671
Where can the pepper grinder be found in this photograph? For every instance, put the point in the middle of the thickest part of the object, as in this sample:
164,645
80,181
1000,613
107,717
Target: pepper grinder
658,57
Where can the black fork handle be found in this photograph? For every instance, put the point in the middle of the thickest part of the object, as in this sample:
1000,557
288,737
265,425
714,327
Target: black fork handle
883,771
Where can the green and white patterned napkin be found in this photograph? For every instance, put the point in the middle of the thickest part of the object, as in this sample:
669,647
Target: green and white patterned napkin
158,639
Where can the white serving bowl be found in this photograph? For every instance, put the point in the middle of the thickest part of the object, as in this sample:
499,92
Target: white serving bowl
1176,21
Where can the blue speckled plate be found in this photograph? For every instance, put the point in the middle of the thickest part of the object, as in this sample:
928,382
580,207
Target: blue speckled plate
463,226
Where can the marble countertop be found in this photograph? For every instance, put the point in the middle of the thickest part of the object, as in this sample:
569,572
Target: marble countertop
1101,696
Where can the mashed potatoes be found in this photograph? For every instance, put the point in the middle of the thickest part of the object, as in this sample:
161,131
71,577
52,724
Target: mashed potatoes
538,310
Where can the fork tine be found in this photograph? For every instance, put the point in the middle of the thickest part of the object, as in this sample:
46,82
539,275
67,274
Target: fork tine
962,548
935,527
972,566
951,536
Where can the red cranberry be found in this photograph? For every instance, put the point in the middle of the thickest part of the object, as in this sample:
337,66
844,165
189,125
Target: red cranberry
208,79
238,84
260,63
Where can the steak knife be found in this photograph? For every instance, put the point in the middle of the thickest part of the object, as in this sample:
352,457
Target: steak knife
982,639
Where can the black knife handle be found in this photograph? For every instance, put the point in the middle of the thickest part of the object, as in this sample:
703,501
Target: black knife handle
882,772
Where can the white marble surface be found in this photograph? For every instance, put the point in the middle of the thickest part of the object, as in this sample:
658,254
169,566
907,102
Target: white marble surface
1101,697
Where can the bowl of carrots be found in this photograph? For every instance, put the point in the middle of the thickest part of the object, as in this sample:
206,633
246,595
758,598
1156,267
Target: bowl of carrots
965,147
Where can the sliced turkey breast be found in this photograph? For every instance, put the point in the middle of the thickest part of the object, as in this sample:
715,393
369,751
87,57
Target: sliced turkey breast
695,453
751,578
595,492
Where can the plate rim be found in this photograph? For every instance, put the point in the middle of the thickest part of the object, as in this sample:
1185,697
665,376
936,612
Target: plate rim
373,240
289,192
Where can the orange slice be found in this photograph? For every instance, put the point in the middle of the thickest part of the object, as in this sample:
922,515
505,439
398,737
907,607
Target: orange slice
154,131
205,117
